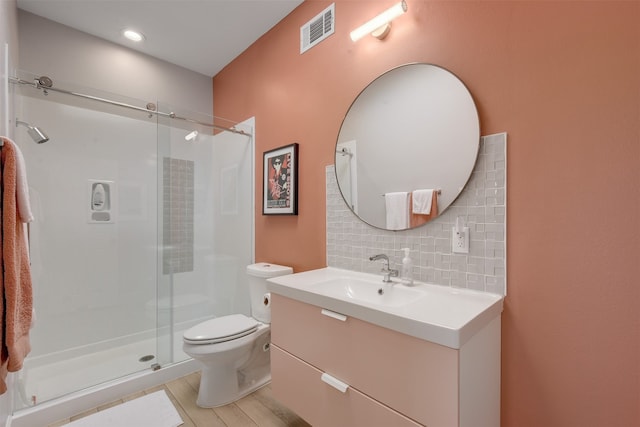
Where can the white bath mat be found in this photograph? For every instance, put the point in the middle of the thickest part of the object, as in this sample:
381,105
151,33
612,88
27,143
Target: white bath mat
152,410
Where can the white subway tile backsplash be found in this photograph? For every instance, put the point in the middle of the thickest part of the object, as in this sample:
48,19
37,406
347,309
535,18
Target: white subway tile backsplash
482,204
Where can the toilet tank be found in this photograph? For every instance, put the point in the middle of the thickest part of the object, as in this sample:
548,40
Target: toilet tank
258,275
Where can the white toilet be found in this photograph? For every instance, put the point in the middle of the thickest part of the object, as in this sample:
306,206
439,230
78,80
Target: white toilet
234,350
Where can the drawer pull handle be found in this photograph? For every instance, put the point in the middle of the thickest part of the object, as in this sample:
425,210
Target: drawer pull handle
333,314
334,382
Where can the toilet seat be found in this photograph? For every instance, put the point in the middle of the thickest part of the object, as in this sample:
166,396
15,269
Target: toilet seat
220,329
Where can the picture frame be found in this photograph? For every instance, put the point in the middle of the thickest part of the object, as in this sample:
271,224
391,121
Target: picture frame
280,181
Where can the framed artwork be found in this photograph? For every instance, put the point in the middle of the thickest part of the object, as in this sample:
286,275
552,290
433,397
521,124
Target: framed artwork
280,181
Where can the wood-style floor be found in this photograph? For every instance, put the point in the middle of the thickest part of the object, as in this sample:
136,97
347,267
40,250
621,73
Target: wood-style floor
258,409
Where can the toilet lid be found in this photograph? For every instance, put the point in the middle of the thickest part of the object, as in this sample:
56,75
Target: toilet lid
221,329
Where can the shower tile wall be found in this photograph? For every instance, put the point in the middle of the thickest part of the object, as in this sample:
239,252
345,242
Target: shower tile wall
482,204
178,215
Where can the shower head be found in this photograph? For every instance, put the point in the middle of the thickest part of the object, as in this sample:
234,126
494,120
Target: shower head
34,132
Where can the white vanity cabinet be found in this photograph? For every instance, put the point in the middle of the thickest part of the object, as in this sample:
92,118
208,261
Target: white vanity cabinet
336,370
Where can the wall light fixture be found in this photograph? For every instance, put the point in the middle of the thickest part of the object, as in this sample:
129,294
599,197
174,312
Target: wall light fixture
191,136
380,26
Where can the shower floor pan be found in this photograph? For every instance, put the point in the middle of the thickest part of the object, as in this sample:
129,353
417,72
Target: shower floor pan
41,383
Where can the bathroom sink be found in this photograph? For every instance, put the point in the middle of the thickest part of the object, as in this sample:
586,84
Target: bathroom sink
440,314
368,291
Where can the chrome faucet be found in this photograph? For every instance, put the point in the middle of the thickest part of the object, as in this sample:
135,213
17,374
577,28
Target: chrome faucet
388,272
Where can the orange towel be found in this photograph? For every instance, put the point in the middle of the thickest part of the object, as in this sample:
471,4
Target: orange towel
416,220
15,283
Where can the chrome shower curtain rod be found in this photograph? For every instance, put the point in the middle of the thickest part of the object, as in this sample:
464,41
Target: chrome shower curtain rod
45,83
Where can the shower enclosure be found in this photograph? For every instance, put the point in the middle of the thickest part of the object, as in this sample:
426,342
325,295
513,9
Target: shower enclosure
138,234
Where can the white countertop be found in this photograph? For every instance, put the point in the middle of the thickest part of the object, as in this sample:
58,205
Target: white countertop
443,315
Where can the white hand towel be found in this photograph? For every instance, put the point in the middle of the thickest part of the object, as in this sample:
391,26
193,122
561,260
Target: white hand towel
422,201
22,187
397,205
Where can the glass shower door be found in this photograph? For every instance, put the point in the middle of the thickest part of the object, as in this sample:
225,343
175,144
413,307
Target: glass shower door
205,231
93,242
138,235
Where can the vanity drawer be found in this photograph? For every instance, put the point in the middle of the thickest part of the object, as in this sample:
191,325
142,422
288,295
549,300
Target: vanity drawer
299,386
416,377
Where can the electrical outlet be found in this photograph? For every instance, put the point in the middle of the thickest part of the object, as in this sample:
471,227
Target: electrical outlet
460,240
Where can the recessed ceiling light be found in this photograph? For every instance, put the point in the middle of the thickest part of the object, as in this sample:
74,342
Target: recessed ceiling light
133,35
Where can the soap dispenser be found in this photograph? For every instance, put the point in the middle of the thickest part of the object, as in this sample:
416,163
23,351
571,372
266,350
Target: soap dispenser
407,268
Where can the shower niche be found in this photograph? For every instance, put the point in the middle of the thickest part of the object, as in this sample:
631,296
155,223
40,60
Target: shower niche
101,201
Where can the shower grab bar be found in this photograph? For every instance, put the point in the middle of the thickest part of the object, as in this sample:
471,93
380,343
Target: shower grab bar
172,115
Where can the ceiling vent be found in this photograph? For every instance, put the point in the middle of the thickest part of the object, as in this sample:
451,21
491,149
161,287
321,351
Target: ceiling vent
318,29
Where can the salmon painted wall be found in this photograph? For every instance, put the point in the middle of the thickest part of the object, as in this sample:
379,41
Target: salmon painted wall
563,79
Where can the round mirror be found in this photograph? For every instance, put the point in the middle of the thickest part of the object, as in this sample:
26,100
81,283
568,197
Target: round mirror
407,146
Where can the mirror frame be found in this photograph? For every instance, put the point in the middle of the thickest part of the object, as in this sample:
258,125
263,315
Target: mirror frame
450,104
